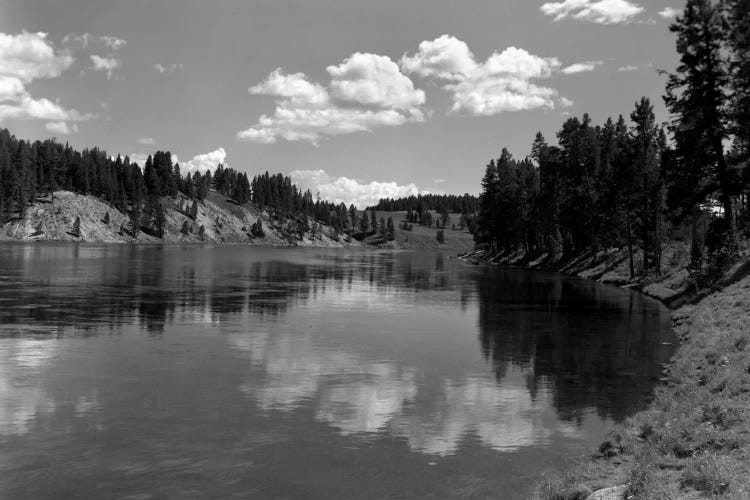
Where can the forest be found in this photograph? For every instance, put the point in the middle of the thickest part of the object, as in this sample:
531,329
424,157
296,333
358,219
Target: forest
633,182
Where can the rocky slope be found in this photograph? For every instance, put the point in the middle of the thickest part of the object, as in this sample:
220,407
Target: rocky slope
222,220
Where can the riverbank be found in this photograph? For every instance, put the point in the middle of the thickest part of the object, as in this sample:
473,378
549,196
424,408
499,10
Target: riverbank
693,441
73,217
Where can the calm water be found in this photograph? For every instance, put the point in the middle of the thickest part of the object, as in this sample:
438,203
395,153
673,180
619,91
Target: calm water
157,372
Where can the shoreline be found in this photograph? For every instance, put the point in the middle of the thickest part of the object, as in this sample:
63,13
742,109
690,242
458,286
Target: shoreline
690,440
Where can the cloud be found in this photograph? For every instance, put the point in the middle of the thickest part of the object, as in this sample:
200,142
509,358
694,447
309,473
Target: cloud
76,41
199,163
438,181
204,162
148,141
30,56
113,42
669,13
17,103
628,68
374,80
140,158
565,102
581,67
445,58
61,128
366,91
108,64
501,83
82,41
595,11
171,68
350,191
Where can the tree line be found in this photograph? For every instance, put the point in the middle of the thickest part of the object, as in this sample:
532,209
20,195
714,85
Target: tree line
465,203
634,183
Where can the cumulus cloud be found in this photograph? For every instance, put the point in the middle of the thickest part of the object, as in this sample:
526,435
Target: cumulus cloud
628,68
108,64
501,83
61,128
148,141
445,58
595,11
669,13
28,108
374,80
30,56
350,191
438,181
204,162
169,68
565,102
581,67
199,163
366,91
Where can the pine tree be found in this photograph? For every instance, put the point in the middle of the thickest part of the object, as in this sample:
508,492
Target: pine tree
697,97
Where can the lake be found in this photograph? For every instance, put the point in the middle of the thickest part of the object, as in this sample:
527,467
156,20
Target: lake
140,372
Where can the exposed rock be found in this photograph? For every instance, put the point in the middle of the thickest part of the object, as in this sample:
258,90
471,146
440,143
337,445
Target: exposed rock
613,493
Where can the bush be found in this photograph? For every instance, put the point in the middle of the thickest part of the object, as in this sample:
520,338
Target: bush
440,236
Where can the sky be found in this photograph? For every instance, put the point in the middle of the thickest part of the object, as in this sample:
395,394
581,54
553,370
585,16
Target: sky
353,99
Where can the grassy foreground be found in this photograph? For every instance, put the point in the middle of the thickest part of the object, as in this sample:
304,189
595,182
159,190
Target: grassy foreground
694,440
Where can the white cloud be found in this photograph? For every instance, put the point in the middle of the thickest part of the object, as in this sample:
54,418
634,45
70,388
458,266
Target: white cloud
204,162
446,58
501,83
16,102
294,87
669,13
24,58
374,80
108,64
565,102
628,68
438,181
367,91
113,42
148,141
595,11
140,158
29,56
581,67
199,163
11,88
350,191
171,68
61,128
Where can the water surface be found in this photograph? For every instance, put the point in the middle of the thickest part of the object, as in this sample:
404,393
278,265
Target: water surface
166,372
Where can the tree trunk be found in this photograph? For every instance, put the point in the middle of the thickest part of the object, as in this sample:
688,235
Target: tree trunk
695,251
726,198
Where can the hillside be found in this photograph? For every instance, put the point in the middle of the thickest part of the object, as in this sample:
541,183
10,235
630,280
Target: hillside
421,237
223,221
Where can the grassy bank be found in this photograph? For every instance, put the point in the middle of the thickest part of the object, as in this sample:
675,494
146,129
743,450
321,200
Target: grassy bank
693,441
